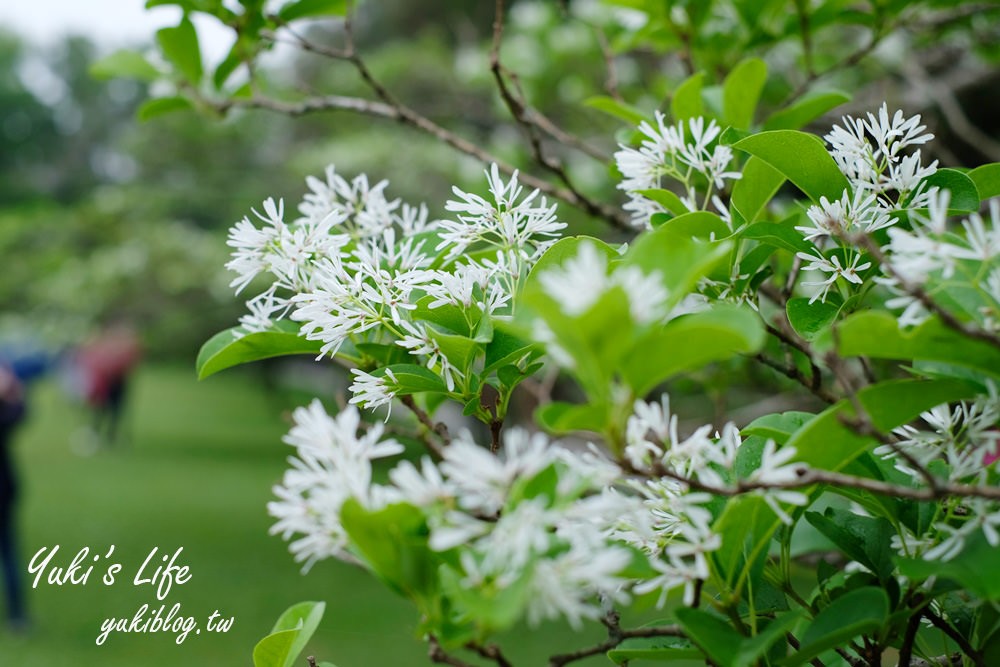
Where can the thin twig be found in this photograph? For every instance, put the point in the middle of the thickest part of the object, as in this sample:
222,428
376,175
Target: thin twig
918,292
438,429
438,655
956,636
529,121
793,373
603,647
794,643
806,477
490,652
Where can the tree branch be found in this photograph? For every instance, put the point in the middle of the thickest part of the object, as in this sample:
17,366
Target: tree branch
438,429
622,635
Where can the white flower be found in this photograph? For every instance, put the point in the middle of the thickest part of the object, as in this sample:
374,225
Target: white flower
371,391
831,265
422,487
579,282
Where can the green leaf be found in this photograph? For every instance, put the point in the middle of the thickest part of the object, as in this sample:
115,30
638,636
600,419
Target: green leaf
713,635
860,611
863,539
828,444
560,418
451,318
180,47
745,526
274,649
975,568
568,248
778,234
303,618
312,8
666,199
801,158
752,192
777,427
987,180
506,349
224,350
159,106
293,630
741,91
805,110
616,108
226,68
691,342
679,259
413,379
877,334
964,192
686,102
696,224
125,64
809,319
393,543
659,649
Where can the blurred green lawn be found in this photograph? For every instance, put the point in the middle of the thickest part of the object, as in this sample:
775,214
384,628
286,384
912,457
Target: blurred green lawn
197,474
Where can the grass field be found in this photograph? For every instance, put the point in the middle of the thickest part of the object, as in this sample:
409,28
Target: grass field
197,474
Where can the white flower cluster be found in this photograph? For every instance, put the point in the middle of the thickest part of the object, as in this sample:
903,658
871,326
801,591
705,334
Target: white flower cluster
560,522
354,265
929,252
962,443
883,181
678,152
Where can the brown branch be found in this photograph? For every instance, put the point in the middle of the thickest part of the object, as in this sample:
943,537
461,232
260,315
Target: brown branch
622,635
406,116
438,429
495,426
794,643
906,649
531,121
490,652
311,661
438,655
806,477
956,636
793,373
918,292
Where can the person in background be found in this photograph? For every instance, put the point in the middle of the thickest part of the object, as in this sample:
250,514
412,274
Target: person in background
104,364
12,408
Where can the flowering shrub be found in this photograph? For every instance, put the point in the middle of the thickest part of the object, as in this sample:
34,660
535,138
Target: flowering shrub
874,276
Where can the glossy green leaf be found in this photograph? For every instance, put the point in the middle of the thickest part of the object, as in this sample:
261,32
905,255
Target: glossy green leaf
828,444
964,193
300,9
680,260
561,418
393,543
741,91
987,180
657,649
274,649
696,224
302,618
224,350
778,234
745,527
759,183
686,102
159,106
567,248
805,110
126,64
877,334
616,108
713,635
666,199
506,348
974,568
778,427
691,342
801,158
860,611
412,379
180,46
863,539
809,319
